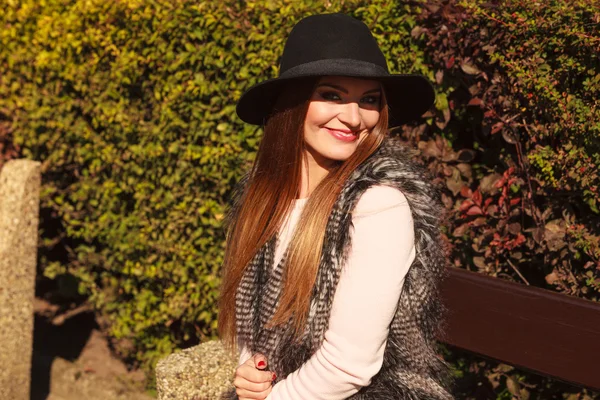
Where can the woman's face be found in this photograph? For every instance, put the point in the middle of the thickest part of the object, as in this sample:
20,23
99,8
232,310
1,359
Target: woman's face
341,112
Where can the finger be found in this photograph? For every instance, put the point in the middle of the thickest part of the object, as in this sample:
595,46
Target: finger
253,375
244,394
241,383
260,361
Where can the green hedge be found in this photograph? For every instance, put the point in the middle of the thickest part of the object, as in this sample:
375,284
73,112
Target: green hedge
130,106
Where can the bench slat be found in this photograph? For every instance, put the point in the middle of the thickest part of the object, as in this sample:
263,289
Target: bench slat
532,328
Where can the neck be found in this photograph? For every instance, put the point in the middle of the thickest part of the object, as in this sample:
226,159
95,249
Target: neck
314,169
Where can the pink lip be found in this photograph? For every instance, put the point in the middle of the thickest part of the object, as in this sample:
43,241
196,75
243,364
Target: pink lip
343,134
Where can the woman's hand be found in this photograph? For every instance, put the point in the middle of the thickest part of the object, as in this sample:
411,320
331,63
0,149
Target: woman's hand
251,381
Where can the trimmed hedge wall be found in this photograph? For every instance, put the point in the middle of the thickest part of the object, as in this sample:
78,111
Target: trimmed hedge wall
130,106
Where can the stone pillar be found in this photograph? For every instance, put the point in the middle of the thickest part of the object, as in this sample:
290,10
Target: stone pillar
203,372
19,210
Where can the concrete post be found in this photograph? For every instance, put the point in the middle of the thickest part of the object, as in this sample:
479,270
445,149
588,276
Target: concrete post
19,211
203,372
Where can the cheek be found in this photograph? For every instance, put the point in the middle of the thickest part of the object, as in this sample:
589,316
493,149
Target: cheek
370,118
319,113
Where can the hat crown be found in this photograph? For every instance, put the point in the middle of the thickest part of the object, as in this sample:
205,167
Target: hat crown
336,45
330,37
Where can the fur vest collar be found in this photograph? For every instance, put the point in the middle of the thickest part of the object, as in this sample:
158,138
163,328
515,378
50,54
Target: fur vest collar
411,369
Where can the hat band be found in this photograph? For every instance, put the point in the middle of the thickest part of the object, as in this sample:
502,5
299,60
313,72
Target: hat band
337,66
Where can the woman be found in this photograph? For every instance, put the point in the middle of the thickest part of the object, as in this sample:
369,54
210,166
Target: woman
333,256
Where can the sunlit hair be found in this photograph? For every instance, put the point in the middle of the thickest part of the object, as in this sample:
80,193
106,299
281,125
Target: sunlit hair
272,188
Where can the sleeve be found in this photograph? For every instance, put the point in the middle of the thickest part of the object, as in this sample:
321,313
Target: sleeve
364,303
244,355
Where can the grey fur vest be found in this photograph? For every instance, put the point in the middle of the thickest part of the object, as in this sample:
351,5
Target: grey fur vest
411,369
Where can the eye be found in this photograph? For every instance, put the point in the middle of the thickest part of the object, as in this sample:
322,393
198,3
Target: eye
372,100
330,96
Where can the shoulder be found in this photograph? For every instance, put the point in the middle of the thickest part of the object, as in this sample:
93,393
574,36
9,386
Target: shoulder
394,152
382,220
379,198
394,164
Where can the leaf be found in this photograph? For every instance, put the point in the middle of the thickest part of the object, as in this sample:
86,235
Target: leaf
465,169
455,185
479,262
513,386
466,192
505,368
552,278
447,200
479,221
446,113
475,101
466,204
469,68
537,234
441,102
477,197
460,230
439,77
514,228
416,32
496,127
554,234
454,182
492,209
441,124
475,210
489,48
430,149
555,229
508,136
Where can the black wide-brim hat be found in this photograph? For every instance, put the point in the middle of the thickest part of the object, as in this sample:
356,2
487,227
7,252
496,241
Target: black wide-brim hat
337,45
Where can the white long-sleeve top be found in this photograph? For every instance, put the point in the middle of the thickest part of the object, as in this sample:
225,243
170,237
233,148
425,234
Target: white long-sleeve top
364,303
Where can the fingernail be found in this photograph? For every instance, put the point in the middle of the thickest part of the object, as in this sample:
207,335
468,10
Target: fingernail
261,364
274,376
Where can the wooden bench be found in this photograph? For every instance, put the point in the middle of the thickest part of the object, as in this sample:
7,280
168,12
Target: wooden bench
535,329
545,332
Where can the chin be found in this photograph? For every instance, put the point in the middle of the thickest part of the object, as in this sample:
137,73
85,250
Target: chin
341,154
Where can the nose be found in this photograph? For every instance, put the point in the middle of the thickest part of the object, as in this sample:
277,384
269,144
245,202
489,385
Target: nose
350,115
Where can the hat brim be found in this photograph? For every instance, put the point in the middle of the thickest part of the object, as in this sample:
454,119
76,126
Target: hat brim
408,96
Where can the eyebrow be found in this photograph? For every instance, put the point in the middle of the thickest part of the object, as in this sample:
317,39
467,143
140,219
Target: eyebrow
343,90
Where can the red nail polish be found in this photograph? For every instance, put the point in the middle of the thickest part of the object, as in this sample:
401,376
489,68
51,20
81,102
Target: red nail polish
274,376
261,364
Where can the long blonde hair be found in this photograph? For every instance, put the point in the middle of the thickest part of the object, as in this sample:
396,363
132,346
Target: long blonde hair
271,190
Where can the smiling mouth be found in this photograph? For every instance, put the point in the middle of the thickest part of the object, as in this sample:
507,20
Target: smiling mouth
342,131
345,135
